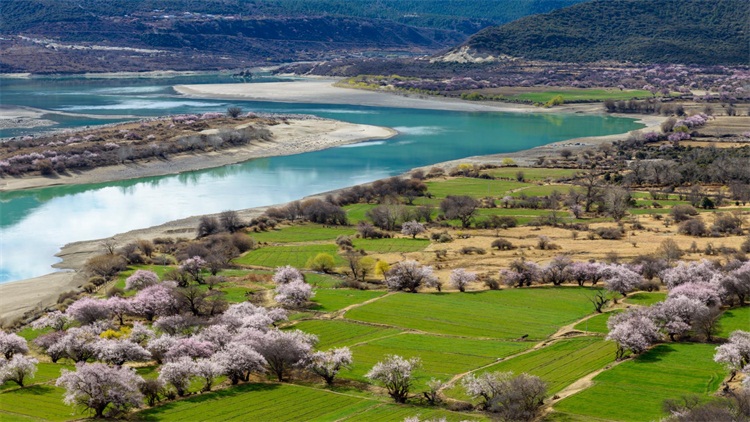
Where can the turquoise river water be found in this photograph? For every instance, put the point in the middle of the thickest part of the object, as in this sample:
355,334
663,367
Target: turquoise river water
34,224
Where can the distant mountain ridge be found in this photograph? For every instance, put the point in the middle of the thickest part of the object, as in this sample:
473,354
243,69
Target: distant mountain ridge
653,31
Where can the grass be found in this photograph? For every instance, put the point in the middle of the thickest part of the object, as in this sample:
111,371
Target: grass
477,188
441,357
581,95
559,364
394,412
666,371
337,333
506,314
532,173
36,402
596,324
324,281
645,298
734,319
302,233
391,245
544,190
296,256
330,300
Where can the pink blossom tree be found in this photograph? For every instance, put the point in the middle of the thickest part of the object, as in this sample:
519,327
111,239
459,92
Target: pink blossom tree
11,344
194,266
460,278
328,364
178,374
189,347
218,334
412,228
287,274
239,360
117,352
396,374
88,310
677,315
209,370
735,354
581,272
120,307
707,293
688,272
55,320
294,294
283,350
160,346
45,341
140,333
18,369
97,387
141,279
410,276
158,299
621,279
632,330
520,273
77,344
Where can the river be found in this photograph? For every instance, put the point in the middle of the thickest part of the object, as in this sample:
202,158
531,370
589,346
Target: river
34,224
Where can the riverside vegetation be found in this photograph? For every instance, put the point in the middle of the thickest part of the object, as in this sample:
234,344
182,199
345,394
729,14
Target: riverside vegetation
466,293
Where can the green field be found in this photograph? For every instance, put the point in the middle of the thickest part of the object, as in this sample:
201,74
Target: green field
506,314
296,256
282,402
646,298
391,245
596,324
303,233
477,188
338,333
734,319
559,364
330,300
532,173
441,357
581,95
635,390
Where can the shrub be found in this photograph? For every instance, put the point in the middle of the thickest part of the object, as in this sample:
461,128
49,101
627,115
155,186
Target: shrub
609,233
470,250
322,262
693,227
502,244
682,212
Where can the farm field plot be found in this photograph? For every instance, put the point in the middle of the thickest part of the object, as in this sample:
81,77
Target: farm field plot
296,256
543,190
473,187
532,173
506,314
391,245
645,298
559,364
394,412
666,371
302,233
441,357
339,333
330,300
734,319
596,324
39,402
45,372
581,94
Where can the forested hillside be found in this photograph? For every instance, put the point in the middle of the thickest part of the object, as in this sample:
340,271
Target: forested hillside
659,31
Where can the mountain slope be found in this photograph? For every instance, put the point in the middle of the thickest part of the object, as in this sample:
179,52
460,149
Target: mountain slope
653,31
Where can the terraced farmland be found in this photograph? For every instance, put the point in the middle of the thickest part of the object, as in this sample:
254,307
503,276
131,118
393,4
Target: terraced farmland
296,256
664,372
506,314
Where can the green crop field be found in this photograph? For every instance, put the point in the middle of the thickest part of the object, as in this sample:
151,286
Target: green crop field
559,364
507,314
478,188
391,245
734,319
296,256
581,95
392,412
635,390
442,357
281,402
36,402
543,190
338,333
302,233
532,173
596,324
646,298
330,300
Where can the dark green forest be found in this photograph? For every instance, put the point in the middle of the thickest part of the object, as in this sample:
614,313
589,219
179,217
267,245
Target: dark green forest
654,31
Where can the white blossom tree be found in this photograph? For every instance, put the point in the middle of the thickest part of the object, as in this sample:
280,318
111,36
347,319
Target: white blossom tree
97,387
677,315
88,310
735,354
55,320
395,373
632,330
239,360
513,398
621,279
410,276
141,279
17,369
283,350
287,274
460,278
178,374
412,228
328,364
117,352
11,344
294,294
209,370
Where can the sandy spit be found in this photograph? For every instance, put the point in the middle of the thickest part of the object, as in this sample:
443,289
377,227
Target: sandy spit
298,136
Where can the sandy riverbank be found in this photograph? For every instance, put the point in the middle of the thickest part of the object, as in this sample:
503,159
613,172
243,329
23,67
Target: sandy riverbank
295,137
324,92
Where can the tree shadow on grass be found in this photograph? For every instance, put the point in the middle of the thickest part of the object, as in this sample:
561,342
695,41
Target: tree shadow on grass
155,413
656,354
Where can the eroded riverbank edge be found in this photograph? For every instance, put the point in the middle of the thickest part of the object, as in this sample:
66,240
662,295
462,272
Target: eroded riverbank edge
18,297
